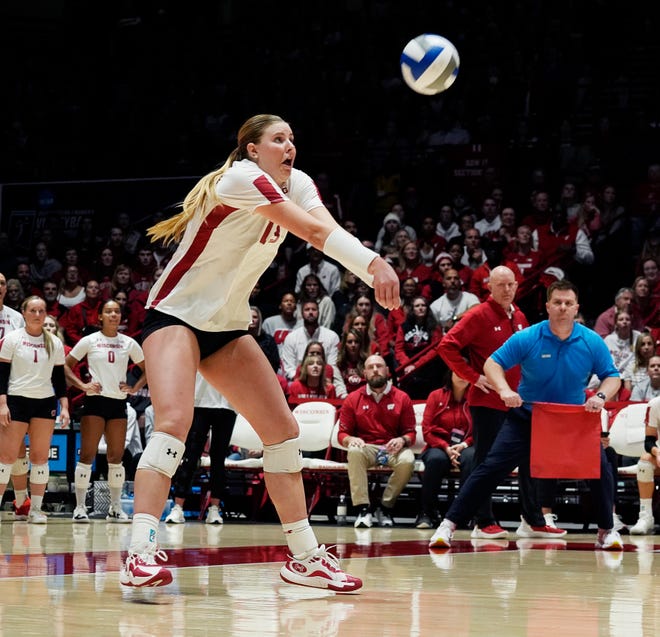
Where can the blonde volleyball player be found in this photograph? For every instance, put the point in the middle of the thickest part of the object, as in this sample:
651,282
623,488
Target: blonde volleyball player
231,226
31,382
108,354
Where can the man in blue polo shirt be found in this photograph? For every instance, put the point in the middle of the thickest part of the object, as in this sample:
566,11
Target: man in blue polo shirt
557,358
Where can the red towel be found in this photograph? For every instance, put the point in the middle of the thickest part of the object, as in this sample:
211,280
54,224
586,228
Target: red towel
565,442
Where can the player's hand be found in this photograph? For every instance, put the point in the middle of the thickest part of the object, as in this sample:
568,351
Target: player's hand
5,416
94,387
386,284
65,419
656,460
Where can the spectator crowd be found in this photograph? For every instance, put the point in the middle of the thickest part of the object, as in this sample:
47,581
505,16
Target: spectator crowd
319,324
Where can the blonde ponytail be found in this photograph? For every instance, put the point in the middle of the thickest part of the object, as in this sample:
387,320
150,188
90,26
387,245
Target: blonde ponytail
48,342
202,197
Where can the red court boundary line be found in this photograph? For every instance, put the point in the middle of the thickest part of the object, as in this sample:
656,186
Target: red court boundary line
54,564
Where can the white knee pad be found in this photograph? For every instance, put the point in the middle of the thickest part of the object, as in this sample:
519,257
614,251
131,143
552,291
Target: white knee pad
5,473
20,467
39,474
645,471
116,476
163,454
82,476
284,457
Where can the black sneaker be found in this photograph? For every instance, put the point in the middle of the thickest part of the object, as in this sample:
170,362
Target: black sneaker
384,517
424,521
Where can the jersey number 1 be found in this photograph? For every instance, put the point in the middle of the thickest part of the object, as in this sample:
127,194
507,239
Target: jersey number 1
268,236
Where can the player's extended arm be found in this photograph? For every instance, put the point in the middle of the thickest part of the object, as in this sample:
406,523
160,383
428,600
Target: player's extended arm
319,228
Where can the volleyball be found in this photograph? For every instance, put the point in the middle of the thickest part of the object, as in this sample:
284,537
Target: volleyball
429,64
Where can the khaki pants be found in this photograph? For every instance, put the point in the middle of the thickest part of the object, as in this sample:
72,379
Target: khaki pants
359,460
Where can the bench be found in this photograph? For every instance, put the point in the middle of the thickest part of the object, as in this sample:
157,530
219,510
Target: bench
326,478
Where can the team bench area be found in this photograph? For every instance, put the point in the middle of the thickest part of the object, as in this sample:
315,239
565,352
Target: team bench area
326,477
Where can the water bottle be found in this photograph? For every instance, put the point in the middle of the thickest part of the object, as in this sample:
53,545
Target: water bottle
382,457
342,509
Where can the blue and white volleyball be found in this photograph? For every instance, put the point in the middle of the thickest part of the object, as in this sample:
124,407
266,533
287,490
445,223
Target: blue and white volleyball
429,64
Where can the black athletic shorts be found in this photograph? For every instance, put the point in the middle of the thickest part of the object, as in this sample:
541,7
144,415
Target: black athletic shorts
209,342
104,407
23,409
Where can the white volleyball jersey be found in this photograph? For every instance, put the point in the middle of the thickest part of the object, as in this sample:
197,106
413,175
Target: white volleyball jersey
31,367
208,281
10,320
107,359
207,396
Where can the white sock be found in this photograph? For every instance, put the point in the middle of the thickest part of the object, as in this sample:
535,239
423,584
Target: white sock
36,502
21,496
301,538
83,475
116,477
144,534
646,505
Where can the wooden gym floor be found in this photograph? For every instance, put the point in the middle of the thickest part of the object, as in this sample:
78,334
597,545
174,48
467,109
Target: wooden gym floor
62,579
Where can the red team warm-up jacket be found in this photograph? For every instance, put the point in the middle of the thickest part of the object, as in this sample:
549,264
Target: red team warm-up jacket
481,330
377,422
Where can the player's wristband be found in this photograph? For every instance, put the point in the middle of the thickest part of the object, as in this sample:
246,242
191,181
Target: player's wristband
347,249
649,443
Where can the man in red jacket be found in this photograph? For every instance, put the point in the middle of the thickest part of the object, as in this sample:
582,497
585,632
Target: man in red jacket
377,426
481,330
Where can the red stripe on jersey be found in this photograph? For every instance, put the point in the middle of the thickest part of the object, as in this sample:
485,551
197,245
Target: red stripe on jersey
267,189
264,236
212,221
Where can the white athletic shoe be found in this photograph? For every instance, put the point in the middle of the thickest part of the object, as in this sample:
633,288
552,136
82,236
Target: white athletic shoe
526,530
176,515
609,540
143,569
213,515
442,536
118,515
320,570
619,524
36,516
645,525
550,520
490,532
80,514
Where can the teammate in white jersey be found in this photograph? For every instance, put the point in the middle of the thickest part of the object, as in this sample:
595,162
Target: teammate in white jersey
31,382
108,354
231,226
11,320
